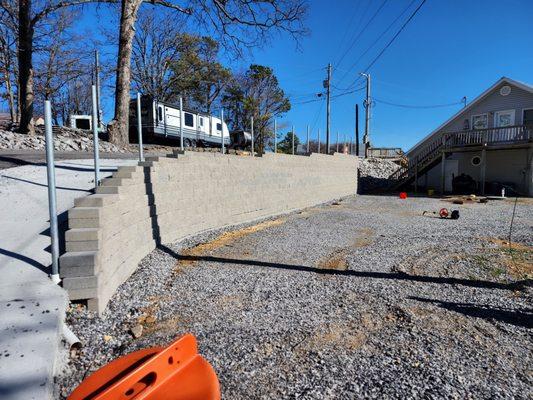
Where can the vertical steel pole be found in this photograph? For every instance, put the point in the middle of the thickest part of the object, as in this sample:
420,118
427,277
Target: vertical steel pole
97,82
275,136
181,123
50,174
139,127
222,130
308,139
337,142
95,138
252,125
318,140
293,140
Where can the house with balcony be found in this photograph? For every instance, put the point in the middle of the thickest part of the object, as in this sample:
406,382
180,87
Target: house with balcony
488,144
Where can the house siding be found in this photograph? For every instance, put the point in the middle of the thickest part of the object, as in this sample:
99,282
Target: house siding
518,100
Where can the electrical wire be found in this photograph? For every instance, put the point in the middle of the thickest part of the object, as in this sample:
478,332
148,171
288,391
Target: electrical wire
377,40
416,106
363,30
392,40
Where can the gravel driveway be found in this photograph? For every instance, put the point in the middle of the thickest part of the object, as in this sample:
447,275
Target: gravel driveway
362,298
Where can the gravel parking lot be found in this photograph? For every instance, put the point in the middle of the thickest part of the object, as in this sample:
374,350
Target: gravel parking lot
361,298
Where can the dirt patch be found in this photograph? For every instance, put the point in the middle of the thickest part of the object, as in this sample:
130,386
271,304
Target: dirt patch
337,259
223,240
516,258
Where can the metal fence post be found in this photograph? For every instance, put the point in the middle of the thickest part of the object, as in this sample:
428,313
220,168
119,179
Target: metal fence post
222,130
318,140
293,140
252,124
181,123
337,141
139,127
275,136
308,138
52,205
95,138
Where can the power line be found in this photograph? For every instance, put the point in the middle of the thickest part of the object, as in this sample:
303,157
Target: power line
395,36
360,33
393,39
377,39
418,106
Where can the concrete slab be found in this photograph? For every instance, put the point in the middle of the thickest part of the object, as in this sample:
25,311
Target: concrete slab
32,308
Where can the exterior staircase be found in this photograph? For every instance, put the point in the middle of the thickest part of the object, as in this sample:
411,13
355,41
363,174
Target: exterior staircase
426,159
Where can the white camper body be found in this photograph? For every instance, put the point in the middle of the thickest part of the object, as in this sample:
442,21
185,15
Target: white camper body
164,120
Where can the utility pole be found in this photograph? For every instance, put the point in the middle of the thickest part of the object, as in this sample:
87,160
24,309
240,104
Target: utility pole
293,140
337,142
307,138
275,136
368,106
357,129
327,85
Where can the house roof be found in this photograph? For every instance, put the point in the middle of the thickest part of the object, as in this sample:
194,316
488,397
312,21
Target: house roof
503,79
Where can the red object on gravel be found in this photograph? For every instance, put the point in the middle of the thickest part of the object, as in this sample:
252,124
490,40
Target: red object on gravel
403,195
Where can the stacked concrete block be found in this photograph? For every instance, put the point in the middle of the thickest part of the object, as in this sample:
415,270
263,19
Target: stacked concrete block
165,199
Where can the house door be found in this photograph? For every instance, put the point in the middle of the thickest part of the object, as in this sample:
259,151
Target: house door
451,170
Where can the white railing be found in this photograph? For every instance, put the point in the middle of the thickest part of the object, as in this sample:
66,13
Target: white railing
504,135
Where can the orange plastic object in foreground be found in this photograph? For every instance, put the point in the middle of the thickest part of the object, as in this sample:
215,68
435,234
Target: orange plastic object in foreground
403,195
176,372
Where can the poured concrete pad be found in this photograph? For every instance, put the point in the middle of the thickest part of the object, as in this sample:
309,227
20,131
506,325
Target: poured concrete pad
32,308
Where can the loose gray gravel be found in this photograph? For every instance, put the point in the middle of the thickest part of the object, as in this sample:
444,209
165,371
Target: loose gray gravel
364,298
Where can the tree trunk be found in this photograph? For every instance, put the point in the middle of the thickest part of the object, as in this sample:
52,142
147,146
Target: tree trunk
118,128
25,51
10,96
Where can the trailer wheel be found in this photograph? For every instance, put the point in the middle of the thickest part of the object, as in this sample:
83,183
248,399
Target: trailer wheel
187,142
193,143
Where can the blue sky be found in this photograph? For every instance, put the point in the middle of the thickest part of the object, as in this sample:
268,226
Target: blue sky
451,49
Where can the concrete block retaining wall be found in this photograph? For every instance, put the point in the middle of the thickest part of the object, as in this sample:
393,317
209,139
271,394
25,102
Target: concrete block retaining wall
165,199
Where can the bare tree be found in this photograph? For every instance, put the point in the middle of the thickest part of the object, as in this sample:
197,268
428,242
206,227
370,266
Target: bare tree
28,14
8,49
238,23
156,46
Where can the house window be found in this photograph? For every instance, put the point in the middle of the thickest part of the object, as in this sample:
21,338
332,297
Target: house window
504,118
528,117
480,121
189,120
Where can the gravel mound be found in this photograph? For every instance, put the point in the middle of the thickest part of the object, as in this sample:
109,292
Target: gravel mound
65,140
374,174
362,298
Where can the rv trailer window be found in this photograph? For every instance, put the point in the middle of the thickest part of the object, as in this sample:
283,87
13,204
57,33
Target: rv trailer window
160,113
189,120
219,127
201,121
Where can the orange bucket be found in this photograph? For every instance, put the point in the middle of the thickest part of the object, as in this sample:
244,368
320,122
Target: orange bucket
176,372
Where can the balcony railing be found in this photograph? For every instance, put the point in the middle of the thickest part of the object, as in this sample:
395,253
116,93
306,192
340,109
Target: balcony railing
385,152
491,136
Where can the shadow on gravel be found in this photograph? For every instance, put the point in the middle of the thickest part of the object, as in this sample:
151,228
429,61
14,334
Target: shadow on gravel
520,317
360,274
